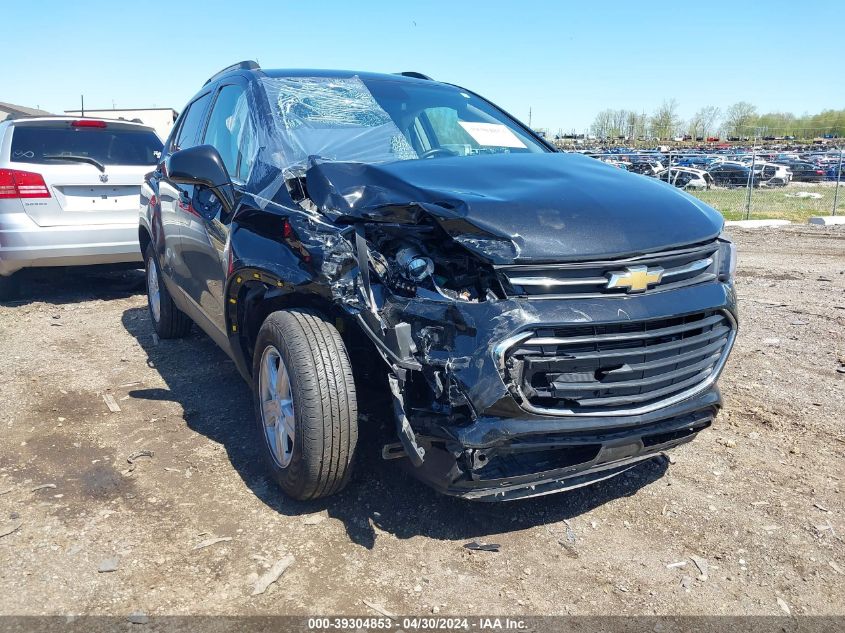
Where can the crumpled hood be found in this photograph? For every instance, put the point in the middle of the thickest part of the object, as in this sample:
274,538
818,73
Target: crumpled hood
520,207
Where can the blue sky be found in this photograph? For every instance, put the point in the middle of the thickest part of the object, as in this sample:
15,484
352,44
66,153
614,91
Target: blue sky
564,60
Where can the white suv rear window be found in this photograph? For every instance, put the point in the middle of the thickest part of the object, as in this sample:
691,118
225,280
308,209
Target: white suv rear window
109,145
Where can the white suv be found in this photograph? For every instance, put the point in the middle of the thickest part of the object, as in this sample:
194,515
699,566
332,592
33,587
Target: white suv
69,192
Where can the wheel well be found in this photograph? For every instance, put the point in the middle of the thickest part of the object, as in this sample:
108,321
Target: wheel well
144,239
257,300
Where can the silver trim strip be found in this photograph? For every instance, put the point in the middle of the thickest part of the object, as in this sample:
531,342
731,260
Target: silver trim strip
625,336
692,267
554,281
701,264
500,354
709,248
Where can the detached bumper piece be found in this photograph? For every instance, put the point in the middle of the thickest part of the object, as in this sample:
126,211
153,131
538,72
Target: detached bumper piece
535,465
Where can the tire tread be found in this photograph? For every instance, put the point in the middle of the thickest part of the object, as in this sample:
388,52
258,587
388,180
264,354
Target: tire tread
324,398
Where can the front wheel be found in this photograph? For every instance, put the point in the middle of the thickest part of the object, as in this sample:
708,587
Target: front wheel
305,401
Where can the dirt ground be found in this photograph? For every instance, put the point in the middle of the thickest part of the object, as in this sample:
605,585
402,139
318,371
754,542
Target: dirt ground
757,500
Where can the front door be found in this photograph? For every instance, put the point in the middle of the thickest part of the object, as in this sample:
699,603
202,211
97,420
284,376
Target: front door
205,225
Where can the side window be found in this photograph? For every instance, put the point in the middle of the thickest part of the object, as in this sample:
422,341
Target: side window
191,126
230,131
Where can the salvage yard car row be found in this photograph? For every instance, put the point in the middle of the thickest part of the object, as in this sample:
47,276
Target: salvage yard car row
701,170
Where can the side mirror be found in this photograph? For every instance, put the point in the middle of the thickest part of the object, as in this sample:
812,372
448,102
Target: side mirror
202,166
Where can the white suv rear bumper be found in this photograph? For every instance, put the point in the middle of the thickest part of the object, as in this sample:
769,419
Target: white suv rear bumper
24,244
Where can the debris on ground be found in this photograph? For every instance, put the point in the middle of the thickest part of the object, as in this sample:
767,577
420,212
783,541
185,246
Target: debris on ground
211,541
482,547
138,617
43,487
272,575
783,606
138,454
702,565
107,565
680,563
111,403
314,519
379,609
570,533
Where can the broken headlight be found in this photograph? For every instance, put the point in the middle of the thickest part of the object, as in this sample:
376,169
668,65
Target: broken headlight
727,258
414,265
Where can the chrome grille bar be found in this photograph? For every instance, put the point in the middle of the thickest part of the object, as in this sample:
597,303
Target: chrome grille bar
622,368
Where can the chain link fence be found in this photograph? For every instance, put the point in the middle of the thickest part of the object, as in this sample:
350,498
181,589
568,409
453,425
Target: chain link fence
754,182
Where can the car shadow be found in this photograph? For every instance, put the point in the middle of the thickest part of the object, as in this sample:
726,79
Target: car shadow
381,496
72,284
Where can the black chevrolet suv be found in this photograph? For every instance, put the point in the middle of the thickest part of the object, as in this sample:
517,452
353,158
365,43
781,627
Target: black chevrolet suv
527,321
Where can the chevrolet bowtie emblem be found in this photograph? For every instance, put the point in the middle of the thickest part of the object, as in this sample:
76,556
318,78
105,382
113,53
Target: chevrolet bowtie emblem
635,278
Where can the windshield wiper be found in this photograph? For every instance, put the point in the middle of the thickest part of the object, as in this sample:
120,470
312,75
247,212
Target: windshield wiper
78,159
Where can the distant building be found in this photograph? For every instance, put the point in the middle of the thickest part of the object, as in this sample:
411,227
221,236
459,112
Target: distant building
10,109
161,119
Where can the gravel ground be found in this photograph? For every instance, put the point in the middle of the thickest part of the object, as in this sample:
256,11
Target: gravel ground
748,519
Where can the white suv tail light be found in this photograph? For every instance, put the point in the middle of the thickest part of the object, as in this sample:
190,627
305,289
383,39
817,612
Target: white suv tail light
15,183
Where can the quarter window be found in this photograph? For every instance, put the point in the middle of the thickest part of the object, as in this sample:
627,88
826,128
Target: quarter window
191,128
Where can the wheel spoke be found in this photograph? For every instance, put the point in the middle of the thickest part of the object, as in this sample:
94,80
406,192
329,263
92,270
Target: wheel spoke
270,410
281,383
272,376
286,408
281,443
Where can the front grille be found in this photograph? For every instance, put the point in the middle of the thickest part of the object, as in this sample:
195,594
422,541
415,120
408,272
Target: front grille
681,267
621,367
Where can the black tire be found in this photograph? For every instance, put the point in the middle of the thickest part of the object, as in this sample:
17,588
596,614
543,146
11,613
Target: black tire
171,322
325,409
10,287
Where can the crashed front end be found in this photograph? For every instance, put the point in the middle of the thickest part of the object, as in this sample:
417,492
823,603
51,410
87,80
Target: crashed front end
516,397
514,379
545,324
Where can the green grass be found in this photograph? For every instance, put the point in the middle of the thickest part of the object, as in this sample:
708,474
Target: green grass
774,203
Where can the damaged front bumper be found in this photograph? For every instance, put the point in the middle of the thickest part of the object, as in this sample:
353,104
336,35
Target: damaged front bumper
481,439
534,457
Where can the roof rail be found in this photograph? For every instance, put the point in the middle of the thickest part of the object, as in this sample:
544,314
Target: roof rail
414,74
19,117
244,65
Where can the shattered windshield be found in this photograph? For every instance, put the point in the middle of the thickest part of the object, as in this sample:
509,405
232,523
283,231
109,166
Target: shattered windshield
374,121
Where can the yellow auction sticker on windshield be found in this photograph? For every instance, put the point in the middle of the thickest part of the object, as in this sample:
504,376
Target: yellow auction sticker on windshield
492,134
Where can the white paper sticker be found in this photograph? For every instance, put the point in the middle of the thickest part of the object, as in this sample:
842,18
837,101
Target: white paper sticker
492,134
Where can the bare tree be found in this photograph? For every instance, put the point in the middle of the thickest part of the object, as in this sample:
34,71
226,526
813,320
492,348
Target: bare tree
709,116
665,121
739,117
620,123
703,121
602,124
